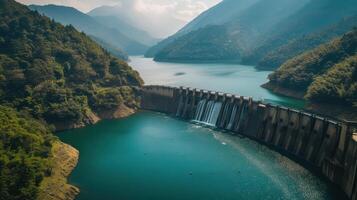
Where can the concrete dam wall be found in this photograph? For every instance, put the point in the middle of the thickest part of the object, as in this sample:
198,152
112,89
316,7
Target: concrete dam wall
329,147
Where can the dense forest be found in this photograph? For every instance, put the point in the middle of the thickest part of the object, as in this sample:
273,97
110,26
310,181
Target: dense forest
326,74
53,75
24,150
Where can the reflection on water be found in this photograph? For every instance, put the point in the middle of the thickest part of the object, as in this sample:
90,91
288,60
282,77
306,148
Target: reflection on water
229,78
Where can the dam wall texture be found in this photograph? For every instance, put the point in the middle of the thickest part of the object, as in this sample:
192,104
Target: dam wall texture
326,146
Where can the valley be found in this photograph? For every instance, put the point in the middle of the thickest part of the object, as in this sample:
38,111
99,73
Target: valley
209,99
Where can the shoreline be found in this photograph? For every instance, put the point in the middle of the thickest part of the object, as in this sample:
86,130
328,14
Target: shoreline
332,111
121,111
65,157
283,91
56,187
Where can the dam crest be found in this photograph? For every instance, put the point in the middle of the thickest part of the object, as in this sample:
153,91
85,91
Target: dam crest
327,146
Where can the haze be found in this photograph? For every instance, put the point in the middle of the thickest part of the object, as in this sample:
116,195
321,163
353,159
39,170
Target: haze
163,17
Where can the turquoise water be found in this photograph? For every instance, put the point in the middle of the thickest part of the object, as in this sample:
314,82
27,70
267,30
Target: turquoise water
230,78
151,156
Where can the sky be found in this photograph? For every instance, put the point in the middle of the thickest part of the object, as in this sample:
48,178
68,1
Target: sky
163,17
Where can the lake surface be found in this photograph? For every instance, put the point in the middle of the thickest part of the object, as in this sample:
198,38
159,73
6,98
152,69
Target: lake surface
150,156
229,78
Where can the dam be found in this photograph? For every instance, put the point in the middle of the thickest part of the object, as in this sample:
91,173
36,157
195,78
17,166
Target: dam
327,147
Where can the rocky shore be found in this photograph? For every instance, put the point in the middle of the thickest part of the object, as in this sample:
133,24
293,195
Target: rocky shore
55,187
92,118
283,91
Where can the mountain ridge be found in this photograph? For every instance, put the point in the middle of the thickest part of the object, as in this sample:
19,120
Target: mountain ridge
87,24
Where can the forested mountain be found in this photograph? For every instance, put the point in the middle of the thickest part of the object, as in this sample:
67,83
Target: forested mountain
217,15
313,18
296,46
242,31
260,35
85,23
128,30
53,75
112,49
207,43
327,74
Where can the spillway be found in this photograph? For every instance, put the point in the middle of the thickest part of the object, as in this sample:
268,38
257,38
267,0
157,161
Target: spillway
327,146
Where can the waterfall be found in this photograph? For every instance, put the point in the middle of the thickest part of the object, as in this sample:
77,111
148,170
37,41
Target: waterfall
200,110
241,116
207,112
179,107
226,115
233,114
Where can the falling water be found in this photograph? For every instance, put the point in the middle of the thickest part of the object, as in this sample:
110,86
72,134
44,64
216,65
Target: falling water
233,114
200,109
226,114
241,117
207,112
179,108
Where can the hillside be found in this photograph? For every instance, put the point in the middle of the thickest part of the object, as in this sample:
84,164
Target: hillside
217,15
157,18
299,45
128,30
242,31
111,49
85,23
326,74
204,44
313,18
51,78
260,35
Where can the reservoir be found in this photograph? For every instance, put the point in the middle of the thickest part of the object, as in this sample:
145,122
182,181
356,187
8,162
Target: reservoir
153,156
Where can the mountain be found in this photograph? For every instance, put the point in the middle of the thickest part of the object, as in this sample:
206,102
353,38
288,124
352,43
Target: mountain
326,74
242,31
313,18
207,43
128,30
217,15
85,23
296,46
257,35
112,49
52,77
159,19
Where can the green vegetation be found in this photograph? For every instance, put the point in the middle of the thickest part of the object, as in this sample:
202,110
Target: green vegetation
25,146
55,72
206,43
301,31
326,74
338,84
295,46
52,75
230,36
112,49
255,34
